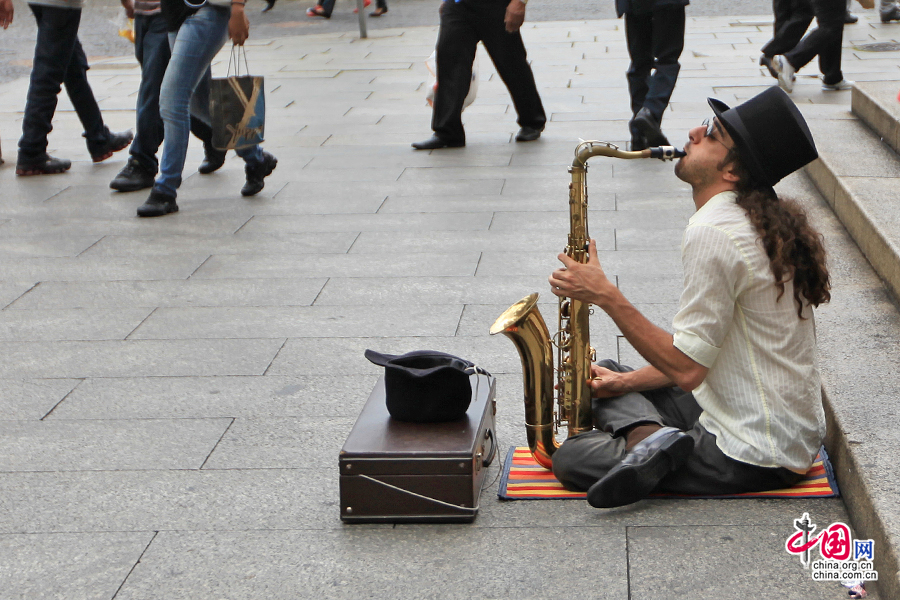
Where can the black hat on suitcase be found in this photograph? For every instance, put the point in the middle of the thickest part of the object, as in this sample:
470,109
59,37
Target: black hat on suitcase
426,386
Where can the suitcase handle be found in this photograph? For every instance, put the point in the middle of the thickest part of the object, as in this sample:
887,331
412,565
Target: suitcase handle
488,458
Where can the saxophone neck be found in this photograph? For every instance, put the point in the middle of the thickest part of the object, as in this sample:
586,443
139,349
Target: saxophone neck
588,149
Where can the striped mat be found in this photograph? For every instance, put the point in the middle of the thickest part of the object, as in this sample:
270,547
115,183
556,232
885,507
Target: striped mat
524,479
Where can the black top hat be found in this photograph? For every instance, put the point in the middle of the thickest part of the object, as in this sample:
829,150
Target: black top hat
426,386
770,134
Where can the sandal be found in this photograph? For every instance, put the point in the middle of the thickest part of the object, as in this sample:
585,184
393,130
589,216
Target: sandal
317,11
378,12
366,4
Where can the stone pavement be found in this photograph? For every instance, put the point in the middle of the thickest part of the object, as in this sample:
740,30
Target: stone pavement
175,391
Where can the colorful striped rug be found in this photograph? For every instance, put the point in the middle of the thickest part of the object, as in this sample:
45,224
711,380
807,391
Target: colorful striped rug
524,479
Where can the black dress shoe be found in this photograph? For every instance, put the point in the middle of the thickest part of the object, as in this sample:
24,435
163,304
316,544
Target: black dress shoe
436,143
850,18
212,159
157,205
257,174
647,125
132,177
528,134
642,469
270,4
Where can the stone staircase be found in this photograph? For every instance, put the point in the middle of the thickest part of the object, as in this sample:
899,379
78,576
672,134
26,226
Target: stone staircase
858,174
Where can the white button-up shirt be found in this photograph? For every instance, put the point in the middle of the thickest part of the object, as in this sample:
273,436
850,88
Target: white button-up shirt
762,396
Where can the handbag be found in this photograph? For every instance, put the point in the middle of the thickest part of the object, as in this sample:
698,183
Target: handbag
237,106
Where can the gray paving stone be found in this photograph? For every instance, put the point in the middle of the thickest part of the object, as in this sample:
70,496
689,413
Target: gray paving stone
187,500
60,445
69,565
149,358
312,357
647,262
70,324
281,442
432,558
11,290
547,239
664,566
92,269
45,246
299,321
52,295
268,266
326,395
429,290
343,223
22,399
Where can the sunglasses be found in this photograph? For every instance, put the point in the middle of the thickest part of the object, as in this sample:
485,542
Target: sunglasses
712,125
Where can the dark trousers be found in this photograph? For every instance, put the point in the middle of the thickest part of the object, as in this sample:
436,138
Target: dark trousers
792,19
463,25
586,458
655,42
824,41
58,59
152,51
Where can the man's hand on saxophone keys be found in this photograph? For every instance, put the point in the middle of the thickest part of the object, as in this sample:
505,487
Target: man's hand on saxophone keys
586,282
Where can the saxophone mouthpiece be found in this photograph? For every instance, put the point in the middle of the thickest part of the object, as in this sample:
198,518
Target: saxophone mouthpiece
666,153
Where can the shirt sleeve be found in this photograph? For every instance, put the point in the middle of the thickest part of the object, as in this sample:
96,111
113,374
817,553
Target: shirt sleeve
715,273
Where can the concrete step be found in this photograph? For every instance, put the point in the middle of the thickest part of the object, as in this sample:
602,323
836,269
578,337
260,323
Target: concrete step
859,176
877,104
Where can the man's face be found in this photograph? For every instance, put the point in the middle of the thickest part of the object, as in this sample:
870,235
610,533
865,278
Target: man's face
707,146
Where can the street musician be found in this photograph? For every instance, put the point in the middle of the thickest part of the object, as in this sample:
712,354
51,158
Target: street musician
731,402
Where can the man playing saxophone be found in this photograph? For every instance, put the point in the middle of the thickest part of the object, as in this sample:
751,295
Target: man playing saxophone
731,402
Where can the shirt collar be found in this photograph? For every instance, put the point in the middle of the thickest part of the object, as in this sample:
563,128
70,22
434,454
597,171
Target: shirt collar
720,198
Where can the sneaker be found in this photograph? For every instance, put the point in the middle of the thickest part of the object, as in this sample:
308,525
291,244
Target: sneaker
256,174
114,142
766,61
840,86
212,160
132,177
42,166
786,73
891,14
157,205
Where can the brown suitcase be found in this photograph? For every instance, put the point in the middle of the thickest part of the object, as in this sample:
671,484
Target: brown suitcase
398,472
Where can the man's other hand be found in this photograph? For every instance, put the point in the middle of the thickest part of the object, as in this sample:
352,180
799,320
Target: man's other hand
6,13
515,16
606,383
128,5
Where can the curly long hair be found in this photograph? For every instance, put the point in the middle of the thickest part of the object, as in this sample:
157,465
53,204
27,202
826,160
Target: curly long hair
796,250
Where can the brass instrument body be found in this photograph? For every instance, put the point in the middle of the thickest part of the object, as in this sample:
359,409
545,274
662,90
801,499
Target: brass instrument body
523,324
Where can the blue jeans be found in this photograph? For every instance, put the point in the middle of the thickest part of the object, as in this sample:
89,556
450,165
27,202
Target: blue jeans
185,91
152,51
58,59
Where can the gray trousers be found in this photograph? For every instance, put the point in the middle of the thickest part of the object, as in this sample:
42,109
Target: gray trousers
584,459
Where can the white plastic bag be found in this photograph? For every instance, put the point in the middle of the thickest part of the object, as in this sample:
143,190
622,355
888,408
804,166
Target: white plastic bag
431,64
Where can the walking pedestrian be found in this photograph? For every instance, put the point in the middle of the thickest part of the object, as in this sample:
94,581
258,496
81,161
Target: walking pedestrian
654,31
495,23
825,42
325,8
59,59
197,35
889,10
151,49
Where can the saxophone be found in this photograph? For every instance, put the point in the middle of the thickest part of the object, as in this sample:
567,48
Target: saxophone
522,323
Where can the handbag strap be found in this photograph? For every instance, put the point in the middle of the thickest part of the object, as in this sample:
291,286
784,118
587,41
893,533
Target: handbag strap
236,53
